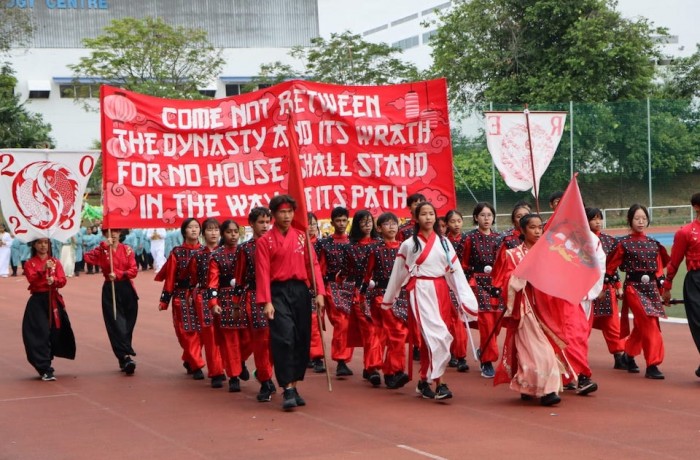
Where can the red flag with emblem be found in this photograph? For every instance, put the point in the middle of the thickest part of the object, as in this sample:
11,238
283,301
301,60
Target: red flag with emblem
563,262
295,186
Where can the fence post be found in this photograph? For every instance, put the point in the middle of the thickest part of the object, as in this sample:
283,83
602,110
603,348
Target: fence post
493,176
651,195
571,137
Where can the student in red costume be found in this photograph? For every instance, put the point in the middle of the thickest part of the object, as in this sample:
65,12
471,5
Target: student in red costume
284,266
120,273
259,331
46,329
177,287
230,323
643,260
199,279
454,233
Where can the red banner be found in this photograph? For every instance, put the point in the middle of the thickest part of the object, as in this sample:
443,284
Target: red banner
362,147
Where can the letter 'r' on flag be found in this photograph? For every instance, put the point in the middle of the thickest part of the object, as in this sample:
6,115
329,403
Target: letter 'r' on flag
563,263
295,182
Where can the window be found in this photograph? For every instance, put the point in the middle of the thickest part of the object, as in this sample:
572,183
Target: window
79,90
406,43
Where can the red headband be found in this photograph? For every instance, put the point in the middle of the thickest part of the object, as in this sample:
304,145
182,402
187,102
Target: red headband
284,206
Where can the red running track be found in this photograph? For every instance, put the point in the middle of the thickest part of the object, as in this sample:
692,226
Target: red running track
95,412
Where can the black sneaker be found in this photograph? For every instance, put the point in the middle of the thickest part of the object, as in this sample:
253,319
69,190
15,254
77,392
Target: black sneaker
342,370
48,376
442,392
570,386
550,399
462,365
374,378
585,386
267,389
300,401
187,367
310,364
630,363
524,397
453,362
234,385
198,374
423,389
218,381
396,381
129,366
245,374
487,371
289,399
654,373
318,366
620,362
697,371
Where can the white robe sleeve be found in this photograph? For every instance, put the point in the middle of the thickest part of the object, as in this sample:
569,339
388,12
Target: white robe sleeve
399,276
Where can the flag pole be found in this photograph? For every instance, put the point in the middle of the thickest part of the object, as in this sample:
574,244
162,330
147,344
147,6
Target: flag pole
532,160
111,271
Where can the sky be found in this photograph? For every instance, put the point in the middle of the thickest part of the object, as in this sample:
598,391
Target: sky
678,16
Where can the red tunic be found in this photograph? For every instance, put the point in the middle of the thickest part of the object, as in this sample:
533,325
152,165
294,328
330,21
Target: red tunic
123,261
282,258
686,243
36,273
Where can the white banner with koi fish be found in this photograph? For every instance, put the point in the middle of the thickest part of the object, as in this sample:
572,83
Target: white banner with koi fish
41,191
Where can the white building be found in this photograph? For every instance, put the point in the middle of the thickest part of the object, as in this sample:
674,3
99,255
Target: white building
250,32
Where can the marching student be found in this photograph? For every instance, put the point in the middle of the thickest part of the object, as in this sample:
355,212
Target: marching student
259,331
606,315
176,287
406,230
363,237
229,323
686,244
284,266
119,269
457,237
46,329
511,238
643,259
427,265
332,259
478,258
531,357
198,268
391,323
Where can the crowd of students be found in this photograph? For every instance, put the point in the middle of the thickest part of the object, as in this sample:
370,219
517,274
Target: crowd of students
384,287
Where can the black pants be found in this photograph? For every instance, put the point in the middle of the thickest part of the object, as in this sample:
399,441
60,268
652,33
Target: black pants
120,331
290,330
691,295
42,343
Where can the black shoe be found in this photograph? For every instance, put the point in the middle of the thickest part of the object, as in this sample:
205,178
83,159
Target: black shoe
442,392
129,365
310,364
570,386
550,399
462,365
198,374
630,363
396,381
654,373
453,362
620,363
697,371
374,378
300,401
187,367
585,386
267,389
218,381
289,399
416,353
48,376
524,397
487,371
245,374
318,366
234,385
342,370
424,390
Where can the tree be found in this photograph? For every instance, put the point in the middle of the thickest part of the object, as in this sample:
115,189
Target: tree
16,28
344,59
151,57
534,51
19,128
682,79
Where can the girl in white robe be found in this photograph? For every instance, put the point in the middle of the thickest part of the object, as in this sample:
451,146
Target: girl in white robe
428,267
5,251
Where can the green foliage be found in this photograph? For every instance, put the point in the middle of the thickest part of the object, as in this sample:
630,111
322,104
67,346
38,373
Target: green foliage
151,57
16,28
344,59
19,128
682,78
534,51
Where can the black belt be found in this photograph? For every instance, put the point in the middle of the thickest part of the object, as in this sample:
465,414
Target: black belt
637,277
382,284
183,284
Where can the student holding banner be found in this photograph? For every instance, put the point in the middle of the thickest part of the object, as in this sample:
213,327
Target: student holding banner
119,269
46,329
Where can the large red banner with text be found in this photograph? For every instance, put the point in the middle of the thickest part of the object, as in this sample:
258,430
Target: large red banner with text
362,147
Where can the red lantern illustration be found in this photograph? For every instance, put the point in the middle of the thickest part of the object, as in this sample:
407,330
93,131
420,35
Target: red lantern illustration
412,106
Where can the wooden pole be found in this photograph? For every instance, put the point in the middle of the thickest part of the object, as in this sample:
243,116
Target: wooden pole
111,271
532,160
